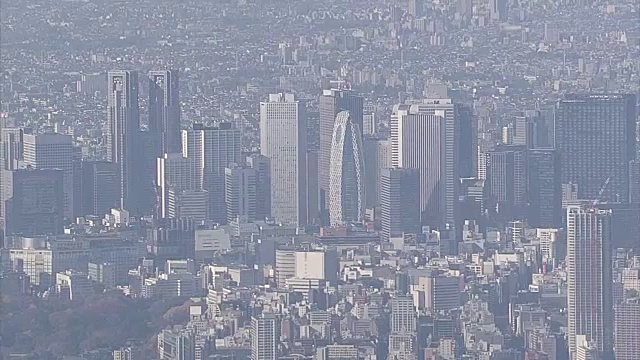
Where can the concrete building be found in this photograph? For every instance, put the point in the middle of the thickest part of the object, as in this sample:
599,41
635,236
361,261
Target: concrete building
265,336
333,101
103,273
240,192
212,150
346,172
402,337
34,201
285,266
317,265
73,285
188,204
596,138
589,279
209,242
283,139
425,136
52,151
177,344
123,121
438,292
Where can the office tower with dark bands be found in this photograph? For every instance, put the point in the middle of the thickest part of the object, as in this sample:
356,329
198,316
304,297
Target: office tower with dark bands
400,202
164,110
595,135
124,125
544,189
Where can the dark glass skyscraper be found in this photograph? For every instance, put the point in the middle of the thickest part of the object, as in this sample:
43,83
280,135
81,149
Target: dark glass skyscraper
124,125
164,110
595,135
400,202
545,188
507,177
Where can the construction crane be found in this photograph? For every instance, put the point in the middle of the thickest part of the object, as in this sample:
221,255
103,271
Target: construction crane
596,201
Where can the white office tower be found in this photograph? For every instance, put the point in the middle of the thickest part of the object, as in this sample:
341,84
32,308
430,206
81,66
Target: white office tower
52,151
264,337
589,280
425,136
283,139
174,172
402,338
346,172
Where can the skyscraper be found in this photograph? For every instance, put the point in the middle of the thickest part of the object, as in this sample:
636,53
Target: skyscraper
627,329
402,337
468,142
174,171
331,103
240,192
425,136
346,176
507,177
34,201
377,156
283,139
596,138
260,164
400,202
52,151
264,337
212,150
589,279
124,125
164,110
98,186
545,189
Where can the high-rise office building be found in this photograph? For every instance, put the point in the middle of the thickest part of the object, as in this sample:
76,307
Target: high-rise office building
123,122
346,176
52,151
627,329
98,187
400,202
402,336
507,178
264,337
240,192
377,156
545,188
34,201
164,110
188,204
283,139
260,164
596,138
425,136
177,172
331,103
212,150
589,279
468,142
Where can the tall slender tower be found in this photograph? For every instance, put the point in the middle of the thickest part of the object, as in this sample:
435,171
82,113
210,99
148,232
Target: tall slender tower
283,139
346,176
264,337
596,138
124,125
212,150
590,279
174,171
377,156
164,110
331,103
425,136
545,188
507,177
